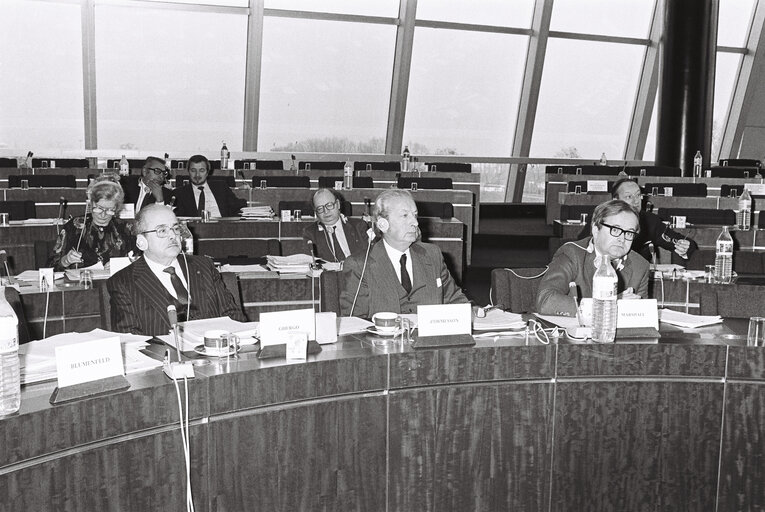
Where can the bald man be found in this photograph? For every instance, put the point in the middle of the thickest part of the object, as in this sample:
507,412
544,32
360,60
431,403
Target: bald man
334,236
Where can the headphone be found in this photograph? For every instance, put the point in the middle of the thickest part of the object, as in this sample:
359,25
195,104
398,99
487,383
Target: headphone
382,224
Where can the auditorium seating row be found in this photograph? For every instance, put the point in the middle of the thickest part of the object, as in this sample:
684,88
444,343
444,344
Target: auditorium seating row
723,170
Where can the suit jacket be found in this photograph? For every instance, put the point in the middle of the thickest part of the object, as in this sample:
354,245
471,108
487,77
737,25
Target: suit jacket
573,262
653,230
132,189
139,300
382,291
228,204
355,234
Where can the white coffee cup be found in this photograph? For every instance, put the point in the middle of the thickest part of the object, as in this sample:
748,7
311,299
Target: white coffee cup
385,321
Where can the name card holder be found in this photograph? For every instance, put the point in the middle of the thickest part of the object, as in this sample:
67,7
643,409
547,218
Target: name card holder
89,369
637,319
444,326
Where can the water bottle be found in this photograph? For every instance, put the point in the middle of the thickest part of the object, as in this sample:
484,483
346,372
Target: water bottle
697,163
744,215
187,238
604,284
225,154
405,159
10,379
124,166
348,176
167,162
26,163
603,159
724,257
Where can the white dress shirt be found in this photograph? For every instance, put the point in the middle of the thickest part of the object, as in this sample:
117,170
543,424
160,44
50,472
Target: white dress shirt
144,190
211,205
395,259
164,277
340,234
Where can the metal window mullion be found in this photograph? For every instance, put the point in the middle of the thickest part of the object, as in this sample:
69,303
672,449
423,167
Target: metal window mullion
527,108
402,64
648,86
252,76
88,29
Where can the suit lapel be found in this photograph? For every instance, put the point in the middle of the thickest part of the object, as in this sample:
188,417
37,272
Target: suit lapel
155,294
421,267
387,274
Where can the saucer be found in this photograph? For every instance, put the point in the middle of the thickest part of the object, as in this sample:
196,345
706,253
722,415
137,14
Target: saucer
373,330
211,352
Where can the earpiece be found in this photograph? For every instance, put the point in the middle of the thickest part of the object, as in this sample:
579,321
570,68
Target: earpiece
590,247
382,224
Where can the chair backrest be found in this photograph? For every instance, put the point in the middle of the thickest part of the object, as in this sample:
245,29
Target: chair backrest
43,181
735,190
434,209
595,170
282,181
738,301
740,162
305,207
229,180
8,163
734,172
19,210
378,166
700,215
323,166
61,163
678,189
575,211
449,166
744,262
358,181
266,165
571,187
133,163
405,182
653,170
516,289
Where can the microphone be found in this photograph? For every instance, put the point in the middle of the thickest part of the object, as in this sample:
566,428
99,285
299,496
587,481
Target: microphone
370,235
172,317
62,202
652,250
649,206
313,255
4,259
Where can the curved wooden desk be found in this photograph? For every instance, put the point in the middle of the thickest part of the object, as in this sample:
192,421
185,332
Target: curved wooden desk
501,426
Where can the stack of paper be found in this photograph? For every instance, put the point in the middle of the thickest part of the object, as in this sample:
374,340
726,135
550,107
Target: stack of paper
97,274
294,264
498,320
257,212
680,319
192,333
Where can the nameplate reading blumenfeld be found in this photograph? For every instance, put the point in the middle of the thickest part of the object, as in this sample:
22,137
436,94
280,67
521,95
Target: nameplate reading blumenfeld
444,319
89,361
276,326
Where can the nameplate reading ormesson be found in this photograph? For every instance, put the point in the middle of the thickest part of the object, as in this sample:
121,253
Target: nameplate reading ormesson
276,326
88,361
444,319
637,313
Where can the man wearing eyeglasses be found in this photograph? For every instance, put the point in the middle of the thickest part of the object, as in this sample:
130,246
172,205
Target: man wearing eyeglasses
141,292
614,226
150,187
204,195
333,235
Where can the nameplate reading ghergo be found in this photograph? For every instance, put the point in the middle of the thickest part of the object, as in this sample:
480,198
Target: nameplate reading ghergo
276,326
637,313
444,319
91,360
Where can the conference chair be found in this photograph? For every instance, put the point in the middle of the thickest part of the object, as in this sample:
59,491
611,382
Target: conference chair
700,215
740,162
322,166
61,163
282,181
8,163
678,189
653,170
43,181
516,289
734,191
305,207
229,180
358,181
264,165
449,167
255,252
734,172
434,209
739,301
43,249
406,182
761,219
18,210
378,166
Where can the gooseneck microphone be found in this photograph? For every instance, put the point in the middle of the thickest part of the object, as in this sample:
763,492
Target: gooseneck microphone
363,269
172,317
4,259
313,254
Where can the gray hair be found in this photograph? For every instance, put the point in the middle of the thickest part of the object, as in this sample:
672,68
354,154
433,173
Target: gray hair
106,188
382,203
141,222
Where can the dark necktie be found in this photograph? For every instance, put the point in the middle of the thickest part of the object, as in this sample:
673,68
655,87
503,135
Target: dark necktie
406,281
336,249
180,290
201,206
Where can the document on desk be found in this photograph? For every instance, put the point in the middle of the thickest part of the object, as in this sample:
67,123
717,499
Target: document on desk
687,320
38,358
192,333
351,325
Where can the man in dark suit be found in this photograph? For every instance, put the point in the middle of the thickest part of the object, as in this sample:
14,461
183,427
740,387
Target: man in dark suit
149,188
141,292
334,237
203,194
401,272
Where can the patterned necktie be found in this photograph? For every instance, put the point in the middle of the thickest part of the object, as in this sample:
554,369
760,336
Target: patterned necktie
406,282
180,290
201,206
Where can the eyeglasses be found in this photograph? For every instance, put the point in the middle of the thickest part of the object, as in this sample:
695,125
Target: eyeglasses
616,232
101,210
157,172
326,207
164,231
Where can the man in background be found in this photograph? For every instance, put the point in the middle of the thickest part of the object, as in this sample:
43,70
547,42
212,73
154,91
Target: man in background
203,194
333,235
149,188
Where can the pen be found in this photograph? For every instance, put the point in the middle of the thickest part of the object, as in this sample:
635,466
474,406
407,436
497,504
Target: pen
575,295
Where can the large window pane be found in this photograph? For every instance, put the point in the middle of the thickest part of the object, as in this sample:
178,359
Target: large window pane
733,24
726,72
386,8
228,3
627,18
41,101
586,99
464,89
169,80
516,13
327,90
493,181
650,142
